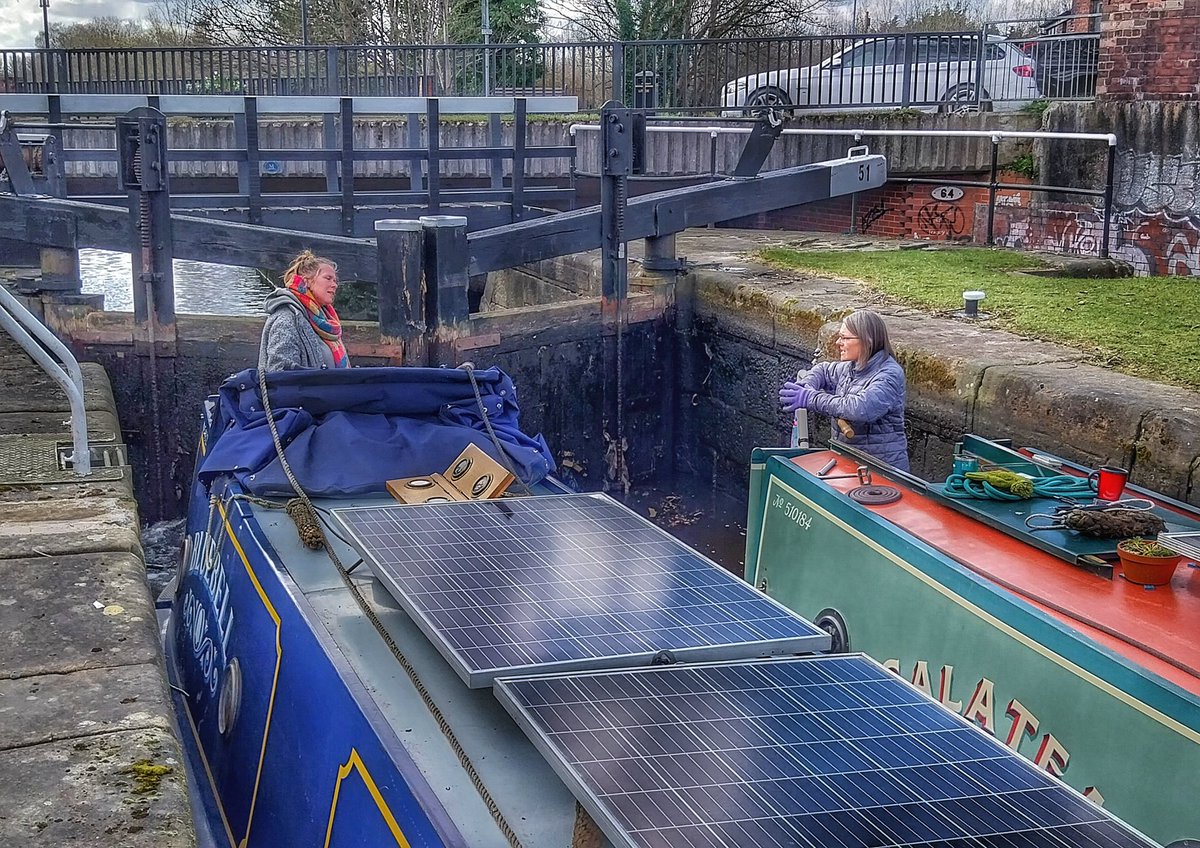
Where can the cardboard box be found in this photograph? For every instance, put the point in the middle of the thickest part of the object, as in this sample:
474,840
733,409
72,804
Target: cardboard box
430,488
477,476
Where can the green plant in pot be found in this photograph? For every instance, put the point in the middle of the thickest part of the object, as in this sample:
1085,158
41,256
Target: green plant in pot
1147,562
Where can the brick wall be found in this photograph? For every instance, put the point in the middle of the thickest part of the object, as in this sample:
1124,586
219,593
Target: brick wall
1081,8
1157,244
1148,50
898,210
1154,242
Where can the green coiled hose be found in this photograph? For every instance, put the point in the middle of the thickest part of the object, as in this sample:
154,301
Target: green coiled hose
1000,486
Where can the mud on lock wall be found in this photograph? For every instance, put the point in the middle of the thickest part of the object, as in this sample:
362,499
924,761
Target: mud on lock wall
565,377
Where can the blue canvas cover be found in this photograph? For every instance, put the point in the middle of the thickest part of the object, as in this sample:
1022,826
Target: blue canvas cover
347,432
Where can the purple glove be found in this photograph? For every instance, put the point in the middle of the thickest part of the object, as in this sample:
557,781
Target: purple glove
794,396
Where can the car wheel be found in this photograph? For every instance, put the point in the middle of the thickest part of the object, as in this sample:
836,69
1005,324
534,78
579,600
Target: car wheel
770,100
962,100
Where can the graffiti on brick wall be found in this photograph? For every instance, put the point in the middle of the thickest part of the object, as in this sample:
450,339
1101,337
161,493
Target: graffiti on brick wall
871,216
1080,234
941,220
1154,183
1183,255
1156,244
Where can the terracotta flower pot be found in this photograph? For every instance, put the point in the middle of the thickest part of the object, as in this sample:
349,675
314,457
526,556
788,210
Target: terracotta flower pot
1148,570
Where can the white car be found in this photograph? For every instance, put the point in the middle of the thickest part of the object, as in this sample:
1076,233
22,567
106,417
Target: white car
872,74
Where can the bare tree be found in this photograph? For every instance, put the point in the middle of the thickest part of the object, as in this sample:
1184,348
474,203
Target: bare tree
112,32
929,15
632,20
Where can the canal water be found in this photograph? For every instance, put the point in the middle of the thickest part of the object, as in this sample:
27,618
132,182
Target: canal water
201,288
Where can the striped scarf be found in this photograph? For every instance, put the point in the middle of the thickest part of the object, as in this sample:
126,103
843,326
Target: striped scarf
324,321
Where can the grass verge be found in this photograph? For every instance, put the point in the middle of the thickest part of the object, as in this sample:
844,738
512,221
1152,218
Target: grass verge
1148,326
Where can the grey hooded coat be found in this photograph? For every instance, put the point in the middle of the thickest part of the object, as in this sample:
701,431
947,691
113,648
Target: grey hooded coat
290,340
870,398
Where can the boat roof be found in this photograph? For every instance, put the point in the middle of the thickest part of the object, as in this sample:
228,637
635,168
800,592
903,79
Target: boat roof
1155,628
497,748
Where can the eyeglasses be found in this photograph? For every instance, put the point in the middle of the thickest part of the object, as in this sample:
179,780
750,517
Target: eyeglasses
842,338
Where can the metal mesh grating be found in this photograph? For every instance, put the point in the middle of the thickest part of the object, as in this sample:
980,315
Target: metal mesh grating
43,459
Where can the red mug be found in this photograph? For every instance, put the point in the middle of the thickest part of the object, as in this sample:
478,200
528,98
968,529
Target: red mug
1108,482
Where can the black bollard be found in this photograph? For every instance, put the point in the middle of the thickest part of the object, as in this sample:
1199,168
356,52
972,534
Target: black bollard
401,257
445,270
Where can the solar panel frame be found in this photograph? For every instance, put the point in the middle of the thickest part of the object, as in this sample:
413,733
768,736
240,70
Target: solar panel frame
808,637
1187,544
863,824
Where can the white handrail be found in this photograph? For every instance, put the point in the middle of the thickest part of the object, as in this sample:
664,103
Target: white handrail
859,132
20,322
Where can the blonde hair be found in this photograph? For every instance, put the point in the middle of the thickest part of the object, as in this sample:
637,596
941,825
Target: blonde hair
306,265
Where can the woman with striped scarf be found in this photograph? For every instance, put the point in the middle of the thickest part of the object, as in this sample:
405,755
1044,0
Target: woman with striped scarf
302,329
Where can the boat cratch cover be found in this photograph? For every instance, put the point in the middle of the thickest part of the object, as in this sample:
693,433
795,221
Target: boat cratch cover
346,432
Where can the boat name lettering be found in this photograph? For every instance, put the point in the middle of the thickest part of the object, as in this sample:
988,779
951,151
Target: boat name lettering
1050,755
207,611
792,511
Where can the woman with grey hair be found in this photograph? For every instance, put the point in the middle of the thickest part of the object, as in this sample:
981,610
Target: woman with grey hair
864,388
302,328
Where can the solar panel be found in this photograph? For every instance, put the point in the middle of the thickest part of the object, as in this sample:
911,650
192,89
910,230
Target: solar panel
812,751
561,582
1187,544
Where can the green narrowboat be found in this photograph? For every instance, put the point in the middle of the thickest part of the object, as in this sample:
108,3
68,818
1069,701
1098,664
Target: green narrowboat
1033,634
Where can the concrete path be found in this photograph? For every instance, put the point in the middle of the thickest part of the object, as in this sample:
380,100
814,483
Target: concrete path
88,748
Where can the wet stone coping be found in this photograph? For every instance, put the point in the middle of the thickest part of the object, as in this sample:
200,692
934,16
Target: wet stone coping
89,752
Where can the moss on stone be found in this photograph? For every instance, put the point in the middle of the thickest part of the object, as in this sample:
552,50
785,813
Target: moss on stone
804,321
922,368
147,776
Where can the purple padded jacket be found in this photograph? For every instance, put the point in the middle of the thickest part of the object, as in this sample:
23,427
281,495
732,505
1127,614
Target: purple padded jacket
871,399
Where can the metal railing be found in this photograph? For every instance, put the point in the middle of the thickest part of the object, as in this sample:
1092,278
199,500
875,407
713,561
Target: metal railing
1002,65
1065,52
52,355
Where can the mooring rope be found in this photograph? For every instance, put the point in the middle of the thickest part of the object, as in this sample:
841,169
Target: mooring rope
306,512
469,367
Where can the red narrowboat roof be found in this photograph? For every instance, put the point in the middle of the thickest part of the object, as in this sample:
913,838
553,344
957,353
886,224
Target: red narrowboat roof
1159,628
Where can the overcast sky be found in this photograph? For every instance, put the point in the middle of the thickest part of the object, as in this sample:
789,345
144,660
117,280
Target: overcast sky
21,20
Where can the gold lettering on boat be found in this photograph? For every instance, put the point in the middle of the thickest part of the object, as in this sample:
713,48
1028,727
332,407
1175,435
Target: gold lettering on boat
1050,756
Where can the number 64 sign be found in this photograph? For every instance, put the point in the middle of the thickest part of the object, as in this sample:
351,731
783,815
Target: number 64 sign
947,193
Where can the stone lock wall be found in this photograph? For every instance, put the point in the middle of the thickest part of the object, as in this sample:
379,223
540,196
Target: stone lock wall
742,332
557,354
